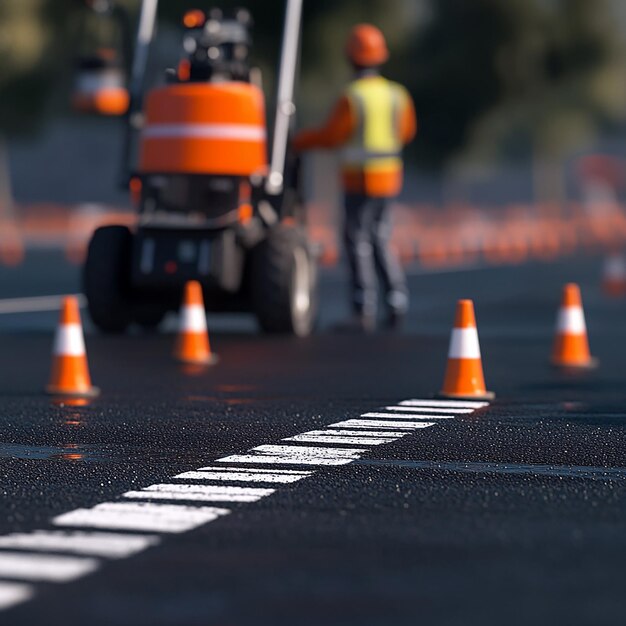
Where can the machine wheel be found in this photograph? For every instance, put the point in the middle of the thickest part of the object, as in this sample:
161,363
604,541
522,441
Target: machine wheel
284,282
149,315
105,278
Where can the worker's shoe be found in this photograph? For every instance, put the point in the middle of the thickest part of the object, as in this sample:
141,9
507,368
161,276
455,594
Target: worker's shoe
395,321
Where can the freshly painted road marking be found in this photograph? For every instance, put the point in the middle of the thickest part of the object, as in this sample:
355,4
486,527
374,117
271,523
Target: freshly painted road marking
355,423
36,304
110,545
231,474
360,441
410,416
29,557
462,404
201,493
298,452
44,567
249,470
384,434
14,593
416,409
283,460
144,516
296,455
333,435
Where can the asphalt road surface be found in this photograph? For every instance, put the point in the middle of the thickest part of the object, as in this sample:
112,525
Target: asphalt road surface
513,513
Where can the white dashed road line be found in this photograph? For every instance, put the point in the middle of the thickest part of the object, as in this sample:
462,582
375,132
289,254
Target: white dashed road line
383,434
44,567
201,493
449,404
14,593
296,455
283,460
109,545
143,516
98,532
429,409
343,436
409,416
231,474
381,423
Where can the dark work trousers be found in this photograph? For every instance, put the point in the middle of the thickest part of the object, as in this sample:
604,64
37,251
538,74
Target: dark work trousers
367,231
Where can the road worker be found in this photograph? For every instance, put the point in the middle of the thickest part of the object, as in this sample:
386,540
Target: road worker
371,122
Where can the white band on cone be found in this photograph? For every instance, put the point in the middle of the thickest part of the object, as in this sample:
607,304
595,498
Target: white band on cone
571,320
193,319
464,344
69,341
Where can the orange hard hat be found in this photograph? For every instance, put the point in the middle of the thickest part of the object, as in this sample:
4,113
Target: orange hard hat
366,46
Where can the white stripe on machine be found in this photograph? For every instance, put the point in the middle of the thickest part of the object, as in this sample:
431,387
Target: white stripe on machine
234,132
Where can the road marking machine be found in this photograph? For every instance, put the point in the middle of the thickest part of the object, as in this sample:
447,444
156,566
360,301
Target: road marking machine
215,205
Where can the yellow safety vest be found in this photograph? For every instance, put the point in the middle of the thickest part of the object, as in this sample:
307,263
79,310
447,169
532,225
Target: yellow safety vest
376,145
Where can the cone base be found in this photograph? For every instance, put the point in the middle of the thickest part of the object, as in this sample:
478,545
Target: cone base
91,392
591,364
487,395
212,359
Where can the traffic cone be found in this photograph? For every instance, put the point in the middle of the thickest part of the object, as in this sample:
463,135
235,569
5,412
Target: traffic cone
70,371
614,275
464,373
571,347
193,344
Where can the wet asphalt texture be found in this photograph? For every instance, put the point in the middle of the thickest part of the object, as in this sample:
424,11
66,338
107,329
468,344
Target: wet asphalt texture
513,515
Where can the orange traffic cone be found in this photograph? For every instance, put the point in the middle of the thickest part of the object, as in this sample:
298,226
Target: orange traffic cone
464,374
193,344
70,371
571,347
614,275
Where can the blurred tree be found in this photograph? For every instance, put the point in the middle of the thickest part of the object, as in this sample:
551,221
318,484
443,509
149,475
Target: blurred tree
510,78
33,48
448,65
538,80
23,82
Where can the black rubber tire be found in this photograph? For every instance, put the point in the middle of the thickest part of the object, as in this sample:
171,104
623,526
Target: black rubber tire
148,315
106,278
282,305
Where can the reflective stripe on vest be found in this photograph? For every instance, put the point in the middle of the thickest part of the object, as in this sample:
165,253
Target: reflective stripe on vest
376,144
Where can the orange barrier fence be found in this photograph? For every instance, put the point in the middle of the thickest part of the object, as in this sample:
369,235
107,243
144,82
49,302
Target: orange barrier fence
431,236
460,235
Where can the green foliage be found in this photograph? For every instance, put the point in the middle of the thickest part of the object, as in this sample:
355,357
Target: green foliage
449,68
517,78
30,47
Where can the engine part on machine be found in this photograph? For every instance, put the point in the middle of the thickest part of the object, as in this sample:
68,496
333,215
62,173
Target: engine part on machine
218,47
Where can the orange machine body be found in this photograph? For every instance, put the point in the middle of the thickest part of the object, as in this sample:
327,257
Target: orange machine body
204,128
